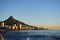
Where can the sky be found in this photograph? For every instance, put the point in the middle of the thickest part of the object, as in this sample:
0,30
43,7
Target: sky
39,13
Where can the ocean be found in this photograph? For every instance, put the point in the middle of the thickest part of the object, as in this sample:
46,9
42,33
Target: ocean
32,35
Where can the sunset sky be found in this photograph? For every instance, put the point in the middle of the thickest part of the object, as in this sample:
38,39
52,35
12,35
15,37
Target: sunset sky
44,13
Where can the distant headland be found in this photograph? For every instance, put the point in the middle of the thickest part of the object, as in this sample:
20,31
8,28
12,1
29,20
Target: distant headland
12,24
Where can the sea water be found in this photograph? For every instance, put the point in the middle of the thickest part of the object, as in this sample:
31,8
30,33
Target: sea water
32,35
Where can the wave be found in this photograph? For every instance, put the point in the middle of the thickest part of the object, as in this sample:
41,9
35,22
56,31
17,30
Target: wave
23,35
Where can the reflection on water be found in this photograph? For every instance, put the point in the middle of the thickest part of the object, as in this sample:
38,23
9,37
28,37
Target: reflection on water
32,35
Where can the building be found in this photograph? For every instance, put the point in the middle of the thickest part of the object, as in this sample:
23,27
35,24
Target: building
12,23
